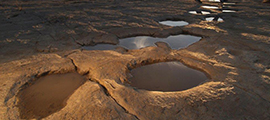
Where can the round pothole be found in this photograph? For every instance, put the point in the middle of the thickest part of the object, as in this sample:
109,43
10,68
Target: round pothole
175,42
47,95
166,76
174,23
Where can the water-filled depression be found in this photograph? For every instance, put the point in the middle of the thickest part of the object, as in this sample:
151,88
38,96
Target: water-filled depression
213,19
174,23
47,95
199,12
175,42
166,76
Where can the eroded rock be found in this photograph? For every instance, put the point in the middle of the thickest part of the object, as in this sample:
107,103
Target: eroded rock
234,53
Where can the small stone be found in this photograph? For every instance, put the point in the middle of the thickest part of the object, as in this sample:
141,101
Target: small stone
121,49
163,45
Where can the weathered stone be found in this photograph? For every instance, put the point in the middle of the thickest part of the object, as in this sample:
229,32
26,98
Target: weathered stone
91,102
163,45
233,53
121,49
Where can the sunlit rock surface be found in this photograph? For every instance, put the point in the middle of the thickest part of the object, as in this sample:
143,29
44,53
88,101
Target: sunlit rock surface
45,37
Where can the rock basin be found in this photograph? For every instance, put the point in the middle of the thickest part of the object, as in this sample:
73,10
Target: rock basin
174,23
47,95
166,76
175,42
213,19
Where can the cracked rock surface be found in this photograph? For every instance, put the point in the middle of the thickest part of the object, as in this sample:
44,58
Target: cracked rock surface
43,37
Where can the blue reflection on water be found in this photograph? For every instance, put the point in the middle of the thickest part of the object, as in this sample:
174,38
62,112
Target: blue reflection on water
175,42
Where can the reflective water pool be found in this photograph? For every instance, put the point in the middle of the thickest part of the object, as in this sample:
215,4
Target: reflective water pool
214,0
175,42
166,76
174,23
212,19
200,12
210,7
228,11
47,95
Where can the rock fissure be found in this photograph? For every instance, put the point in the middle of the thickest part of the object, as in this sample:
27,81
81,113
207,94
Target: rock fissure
109,95
76,68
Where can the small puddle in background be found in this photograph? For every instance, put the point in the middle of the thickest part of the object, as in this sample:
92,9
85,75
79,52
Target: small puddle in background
175,42
212,19
214,0
210,7
205,12
174,23
47,95
228,11
202,12
166,76
192,12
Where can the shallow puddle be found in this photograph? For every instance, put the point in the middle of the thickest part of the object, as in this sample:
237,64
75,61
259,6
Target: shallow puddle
214,0
47,95
213,19
228,11
192,12
200,12
175,42
166,76
210,7
174,23
205,12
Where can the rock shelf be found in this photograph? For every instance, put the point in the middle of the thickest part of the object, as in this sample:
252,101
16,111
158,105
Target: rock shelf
45,37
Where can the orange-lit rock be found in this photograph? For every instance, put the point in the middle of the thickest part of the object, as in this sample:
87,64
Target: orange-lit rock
40,38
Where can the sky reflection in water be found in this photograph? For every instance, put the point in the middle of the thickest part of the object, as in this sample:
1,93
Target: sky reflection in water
166,76
175,42
174,23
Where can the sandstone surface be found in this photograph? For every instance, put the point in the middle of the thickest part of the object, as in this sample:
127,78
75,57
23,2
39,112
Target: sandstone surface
44,37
